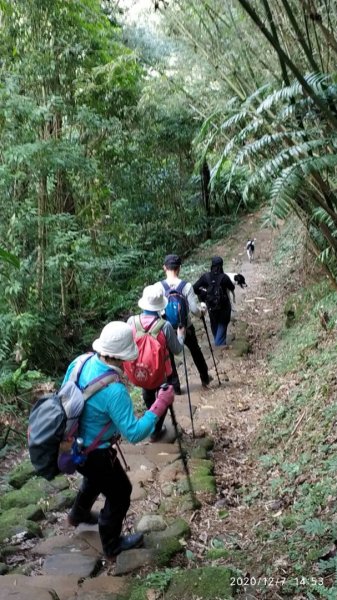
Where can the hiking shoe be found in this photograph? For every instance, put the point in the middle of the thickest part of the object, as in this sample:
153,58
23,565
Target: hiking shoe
126,542
155,437
90,518
205,382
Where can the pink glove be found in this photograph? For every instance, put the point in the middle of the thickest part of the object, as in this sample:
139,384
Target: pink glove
163,401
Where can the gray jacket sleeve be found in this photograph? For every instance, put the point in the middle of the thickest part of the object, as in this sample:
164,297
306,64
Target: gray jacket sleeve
192,300
171,337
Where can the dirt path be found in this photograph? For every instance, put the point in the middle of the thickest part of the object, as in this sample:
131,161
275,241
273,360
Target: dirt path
233,411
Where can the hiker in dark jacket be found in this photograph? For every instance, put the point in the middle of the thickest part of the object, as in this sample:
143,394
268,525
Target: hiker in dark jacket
112,405
153,303
212,288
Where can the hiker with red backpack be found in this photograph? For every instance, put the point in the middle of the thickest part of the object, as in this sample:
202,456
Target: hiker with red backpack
212,288
155,339
110,410
181,302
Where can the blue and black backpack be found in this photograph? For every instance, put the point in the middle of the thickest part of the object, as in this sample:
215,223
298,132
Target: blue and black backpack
176,311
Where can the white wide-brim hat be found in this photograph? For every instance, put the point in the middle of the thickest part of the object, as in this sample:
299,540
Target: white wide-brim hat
153,298
116,341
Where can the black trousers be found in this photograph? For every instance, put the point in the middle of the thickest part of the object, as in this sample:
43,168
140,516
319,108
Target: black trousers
198,358
103,474
149,397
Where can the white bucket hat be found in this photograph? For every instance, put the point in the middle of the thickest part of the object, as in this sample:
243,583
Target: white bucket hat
116,340
153,298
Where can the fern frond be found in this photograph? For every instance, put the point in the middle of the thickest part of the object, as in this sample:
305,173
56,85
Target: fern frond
319,163
257,93
285,93
316,80
325,256
268,140
234,120
319,215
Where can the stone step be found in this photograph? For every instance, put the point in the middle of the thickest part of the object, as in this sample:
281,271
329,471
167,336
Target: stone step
64,587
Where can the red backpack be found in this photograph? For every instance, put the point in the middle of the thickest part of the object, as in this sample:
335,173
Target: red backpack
148,370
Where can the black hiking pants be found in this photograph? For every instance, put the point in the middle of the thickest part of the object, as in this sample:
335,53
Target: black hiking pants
103,474
198,358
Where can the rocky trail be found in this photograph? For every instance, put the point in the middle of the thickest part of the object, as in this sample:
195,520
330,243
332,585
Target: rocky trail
42,557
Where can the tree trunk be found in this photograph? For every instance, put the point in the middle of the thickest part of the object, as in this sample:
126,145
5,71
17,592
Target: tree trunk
206,196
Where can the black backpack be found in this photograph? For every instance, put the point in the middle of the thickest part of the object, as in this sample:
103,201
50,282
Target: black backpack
215,296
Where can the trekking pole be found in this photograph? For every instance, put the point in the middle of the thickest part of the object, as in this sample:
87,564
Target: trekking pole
188,392
186,377
126,466
195,502
210,347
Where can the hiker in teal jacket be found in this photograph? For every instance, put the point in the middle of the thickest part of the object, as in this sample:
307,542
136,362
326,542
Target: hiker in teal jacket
102,471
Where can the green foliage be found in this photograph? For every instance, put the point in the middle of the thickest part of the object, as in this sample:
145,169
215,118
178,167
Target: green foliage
289,151
297,438
160,580
92,194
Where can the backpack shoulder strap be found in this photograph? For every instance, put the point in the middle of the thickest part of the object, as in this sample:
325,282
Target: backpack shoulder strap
181,286
95,384
157,327
138,325
99,383
165,285
77,370
140,329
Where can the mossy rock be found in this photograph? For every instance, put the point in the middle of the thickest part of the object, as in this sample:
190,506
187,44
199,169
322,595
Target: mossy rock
198,452
167,549
200,483
241,344
181,505
200,467
199,447
206,442
21,474
13,522
177,529
216,553
207,583
34,491
241,347
62,500
166,543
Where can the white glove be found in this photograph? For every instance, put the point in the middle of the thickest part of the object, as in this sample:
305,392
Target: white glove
181,332
203,308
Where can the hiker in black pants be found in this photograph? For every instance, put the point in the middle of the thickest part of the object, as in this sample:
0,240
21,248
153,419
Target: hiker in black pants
172,265
213,288
152,303
110,410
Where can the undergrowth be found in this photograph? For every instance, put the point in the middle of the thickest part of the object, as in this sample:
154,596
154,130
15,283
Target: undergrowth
297,445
